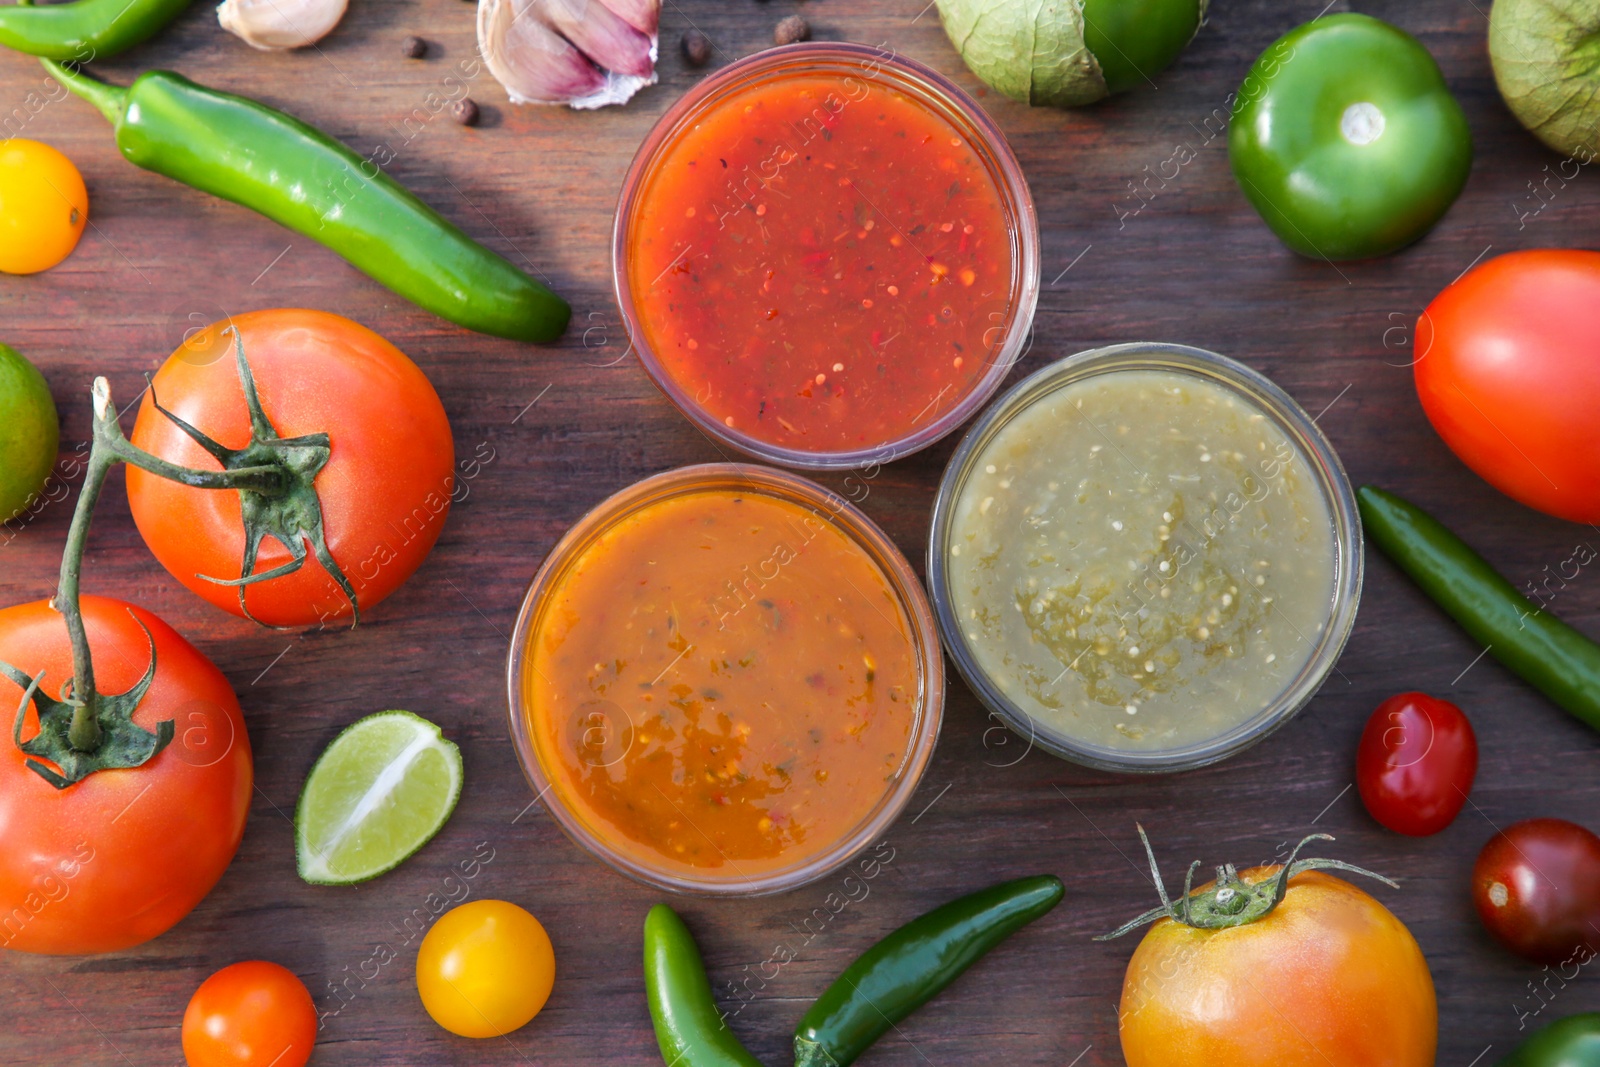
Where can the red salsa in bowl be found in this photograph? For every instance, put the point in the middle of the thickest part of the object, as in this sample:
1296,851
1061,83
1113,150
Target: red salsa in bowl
826,255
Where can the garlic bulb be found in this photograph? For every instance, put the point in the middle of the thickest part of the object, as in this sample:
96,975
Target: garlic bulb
277,24
586,53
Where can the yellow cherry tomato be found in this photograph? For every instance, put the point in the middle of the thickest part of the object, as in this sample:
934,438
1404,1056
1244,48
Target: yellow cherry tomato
43,206
485,969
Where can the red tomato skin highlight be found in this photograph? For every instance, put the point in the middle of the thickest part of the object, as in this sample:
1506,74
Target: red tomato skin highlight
250,1014
123,855
1508,371
1536,886
1416,763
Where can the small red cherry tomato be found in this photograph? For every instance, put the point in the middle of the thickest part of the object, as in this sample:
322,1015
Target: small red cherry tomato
1415,763
1537,888
250,1014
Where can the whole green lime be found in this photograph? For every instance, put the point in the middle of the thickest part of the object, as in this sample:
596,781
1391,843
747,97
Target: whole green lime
29,432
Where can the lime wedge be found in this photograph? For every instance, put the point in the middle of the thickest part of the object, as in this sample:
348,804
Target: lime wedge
376,795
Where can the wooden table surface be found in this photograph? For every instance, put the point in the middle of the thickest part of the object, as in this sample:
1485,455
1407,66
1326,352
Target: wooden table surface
1193,265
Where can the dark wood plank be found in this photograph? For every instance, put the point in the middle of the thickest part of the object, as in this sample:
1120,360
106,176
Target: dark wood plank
1194,265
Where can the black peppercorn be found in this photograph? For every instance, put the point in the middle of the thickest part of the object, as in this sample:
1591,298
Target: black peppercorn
465,112
696,48
413,48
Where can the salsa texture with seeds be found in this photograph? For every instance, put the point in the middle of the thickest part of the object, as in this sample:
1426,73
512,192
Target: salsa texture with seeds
1142,560
822,263
723,681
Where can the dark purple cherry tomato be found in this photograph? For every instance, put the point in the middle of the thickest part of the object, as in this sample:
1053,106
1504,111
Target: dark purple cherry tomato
1537,888
1415,764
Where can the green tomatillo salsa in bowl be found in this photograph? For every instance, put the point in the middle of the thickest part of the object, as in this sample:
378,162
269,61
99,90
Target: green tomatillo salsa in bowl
1145,558
826,255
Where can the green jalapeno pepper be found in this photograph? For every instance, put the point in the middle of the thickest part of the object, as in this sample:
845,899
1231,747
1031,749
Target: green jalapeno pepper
1570,1042
904,970
298,176
84,30
689,1028
1545,652
1346,140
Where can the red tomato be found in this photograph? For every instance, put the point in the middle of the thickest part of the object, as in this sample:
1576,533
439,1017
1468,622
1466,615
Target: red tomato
251,1014
385,491
1537,888
1415,763
122,855
1508,370
1329,976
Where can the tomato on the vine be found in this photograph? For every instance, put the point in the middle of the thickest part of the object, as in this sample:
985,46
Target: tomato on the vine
1537,889
1415,763
112,860
250,1014
1507,373
341,408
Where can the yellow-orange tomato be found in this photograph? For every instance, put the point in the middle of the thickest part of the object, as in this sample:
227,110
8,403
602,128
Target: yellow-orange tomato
1328,977
43,206
485,969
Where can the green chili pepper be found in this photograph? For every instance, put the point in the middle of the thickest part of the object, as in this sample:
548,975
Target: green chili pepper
903,971
1545,652
689,1028
298,176
85,30
1346,140
1570,1042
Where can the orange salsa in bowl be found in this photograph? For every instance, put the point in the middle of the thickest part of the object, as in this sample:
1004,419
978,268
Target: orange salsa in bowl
826,254
725,680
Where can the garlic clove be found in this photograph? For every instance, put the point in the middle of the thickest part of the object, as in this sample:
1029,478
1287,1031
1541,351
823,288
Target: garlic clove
585,53
642,15
272,25
602,35
534,62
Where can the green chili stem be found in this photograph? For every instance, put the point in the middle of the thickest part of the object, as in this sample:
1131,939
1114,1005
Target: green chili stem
110,99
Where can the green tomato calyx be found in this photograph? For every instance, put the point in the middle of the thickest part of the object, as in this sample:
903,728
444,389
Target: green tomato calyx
1230,900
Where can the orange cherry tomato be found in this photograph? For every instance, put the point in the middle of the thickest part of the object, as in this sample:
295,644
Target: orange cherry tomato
384,492
1508,371
117,858
1328,976
251,1014
43,206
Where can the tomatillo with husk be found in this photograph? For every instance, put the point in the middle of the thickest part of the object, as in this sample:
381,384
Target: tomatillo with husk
1546,57
1346,139
1068,53
1278,964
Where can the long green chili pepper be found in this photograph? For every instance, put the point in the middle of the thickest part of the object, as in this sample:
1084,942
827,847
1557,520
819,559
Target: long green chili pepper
904,970
689,1028
296,175
1545,652
84,30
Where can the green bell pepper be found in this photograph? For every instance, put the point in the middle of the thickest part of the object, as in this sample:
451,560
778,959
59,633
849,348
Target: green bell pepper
1570,1042
1346,140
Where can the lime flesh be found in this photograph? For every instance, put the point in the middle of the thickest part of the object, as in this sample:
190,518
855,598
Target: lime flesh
375,796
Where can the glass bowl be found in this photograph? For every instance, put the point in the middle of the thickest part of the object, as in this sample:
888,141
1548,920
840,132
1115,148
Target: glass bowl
580,821
858,65
1327,474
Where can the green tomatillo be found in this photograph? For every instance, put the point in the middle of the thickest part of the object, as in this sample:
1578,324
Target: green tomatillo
1067,53
1346,140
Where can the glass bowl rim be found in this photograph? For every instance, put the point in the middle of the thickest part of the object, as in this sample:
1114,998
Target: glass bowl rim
923,633
1015,194
1331,481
